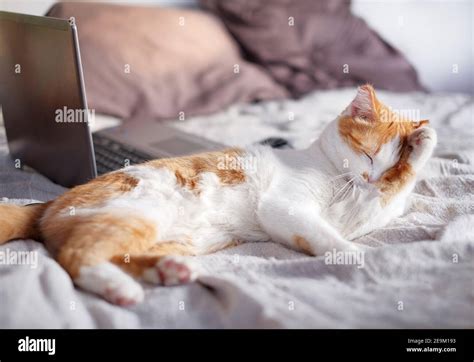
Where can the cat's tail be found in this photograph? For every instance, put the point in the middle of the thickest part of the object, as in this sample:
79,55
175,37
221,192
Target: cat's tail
20,222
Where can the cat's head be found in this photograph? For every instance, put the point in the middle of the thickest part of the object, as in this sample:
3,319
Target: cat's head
372,136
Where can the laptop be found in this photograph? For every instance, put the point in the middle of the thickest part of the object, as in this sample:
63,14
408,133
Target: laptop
46,118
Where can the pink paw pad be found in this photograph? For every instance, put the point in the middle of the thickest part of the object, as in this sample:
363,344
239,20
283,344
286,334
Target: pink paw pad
421,135
122,297
175,270
123,301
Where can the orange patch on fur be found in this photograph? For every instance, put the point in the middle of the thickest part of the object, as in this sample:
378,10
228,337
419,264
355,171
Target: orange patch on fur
95,192
369,137
224,245
395,178
374,125
88,240
172,248
136,264
20,222
303,244
188,169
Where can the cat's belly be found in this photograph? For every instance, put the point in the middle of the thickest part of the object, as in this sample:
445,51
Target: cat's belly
207,216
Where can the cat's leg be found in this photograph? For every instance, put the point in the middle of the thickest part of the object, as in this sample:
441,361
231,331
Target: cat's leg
296,223
164,263
110,282
422,143
91,241
399,180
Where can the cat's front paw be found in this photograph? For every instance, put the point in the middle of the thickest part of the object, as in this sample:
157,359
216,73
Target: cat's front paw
422,143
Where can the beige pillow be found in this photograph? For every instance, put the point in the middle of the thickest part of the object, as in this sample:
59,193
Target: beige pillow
154,63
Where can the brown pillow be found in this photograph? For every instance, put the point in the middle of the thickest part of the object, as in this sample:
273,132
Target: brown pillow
151,62
314,44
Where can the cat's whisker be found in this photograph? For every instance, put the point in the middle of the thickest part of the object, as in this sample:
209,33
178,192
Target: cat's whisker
348,189
341,176
347,186
351,212
343,188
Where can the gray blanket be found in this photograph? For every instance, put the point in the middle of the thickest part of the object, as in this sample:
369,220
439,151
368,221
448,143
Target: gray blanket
418,275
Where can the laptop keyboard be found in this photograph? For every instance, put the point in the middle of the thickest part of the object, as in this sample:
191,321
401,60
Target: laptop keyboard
111,155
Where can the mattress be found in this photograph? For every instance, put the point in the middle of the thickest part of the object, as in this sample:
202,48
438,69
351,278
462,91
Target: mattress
419,273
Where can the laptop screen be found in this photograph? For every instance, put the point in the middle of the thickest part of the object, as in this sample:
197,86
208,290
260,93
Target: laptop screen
42,98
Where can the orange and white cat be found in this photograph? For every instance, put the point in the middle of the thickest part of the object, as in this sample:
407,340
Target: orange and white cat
147,221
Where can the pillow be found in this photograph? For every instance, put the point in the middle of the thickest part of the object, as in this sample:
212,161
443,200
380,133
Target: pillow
311,44
161,63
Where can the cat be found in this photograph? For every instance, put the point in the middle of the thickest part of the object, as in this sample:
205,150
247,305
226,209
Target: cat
145,222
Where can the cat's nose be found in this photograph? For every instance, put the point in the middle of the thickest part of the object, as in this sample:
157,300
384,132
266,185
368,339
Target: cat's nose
368,178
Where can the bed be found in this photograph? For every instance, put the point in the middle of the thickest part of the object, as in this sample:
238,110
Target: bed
418,273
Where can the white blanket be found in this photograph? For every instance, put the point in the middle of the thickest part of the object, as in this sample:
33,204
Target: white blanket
418,275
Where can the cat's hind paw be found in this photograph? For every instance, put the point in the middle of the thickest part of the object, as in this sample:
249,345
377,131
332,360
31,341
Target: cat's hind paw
125,294
111,283
171,270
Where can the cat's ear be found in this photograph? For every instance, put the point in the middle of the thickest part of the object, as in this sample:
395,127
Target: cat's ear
364,104
420,123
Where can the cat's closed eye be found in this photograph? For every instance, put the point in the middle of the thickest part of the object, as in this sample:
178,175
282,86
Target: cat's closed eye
370,158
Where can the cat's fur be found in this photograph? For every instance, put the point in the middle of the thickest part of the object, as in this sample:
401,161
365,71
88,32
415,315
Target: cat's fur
145,221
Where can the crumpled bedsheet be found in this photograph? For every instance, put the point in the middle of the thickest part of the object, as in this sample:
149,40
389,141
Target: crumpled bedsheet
419,273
